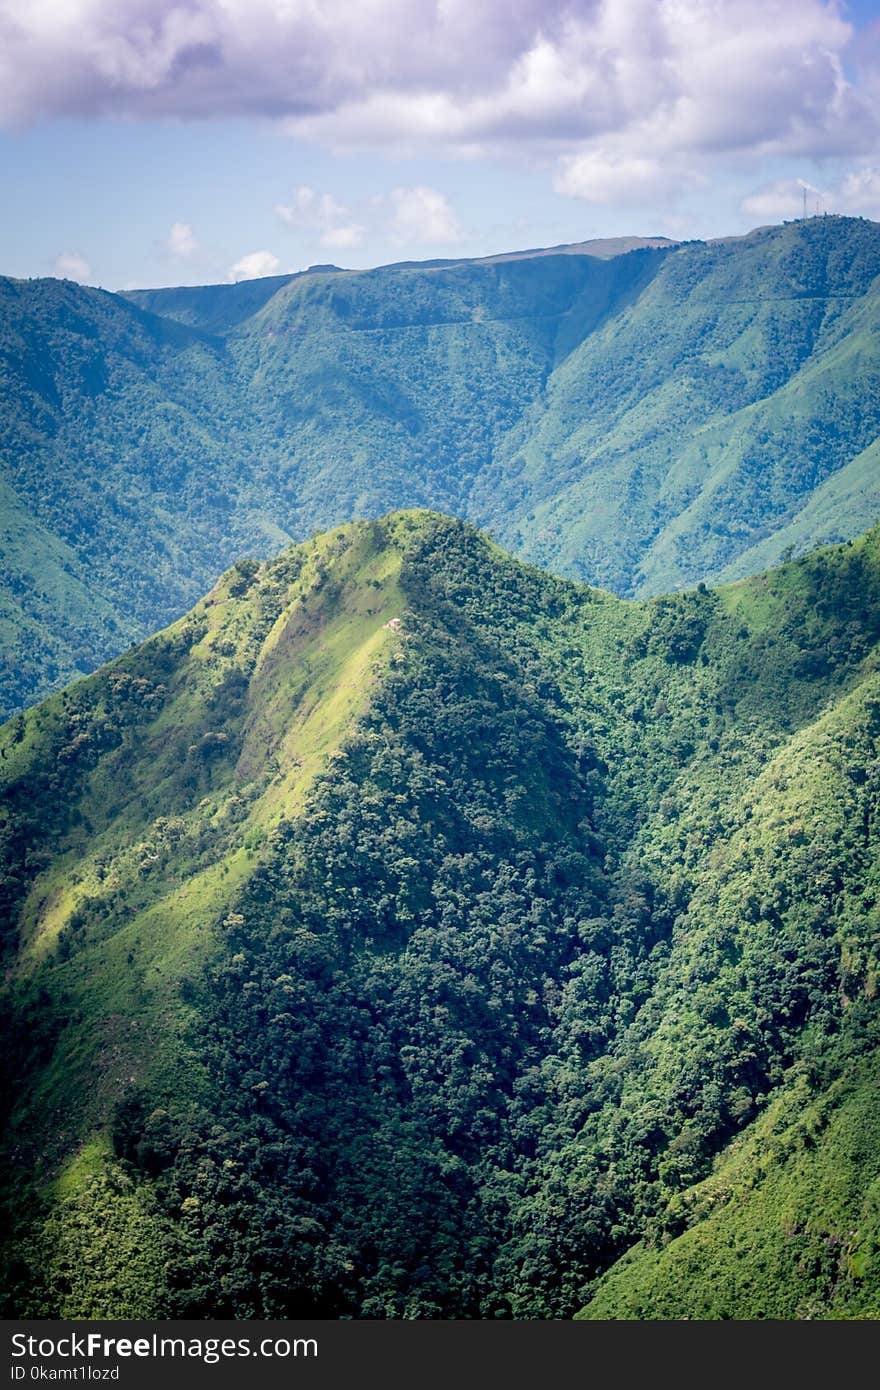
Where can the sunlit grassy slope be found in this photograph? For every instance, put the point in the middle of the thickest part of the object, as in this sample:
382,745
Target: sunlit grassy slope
787,1227
169,770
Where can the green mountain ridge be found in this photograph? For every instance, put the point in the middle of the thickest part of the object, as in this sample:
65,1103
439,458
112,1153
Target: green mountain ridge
408,932
642,419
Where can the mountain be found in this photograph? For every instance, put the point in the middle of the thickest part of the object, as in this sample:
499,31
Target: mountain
218,308
408,932
643,419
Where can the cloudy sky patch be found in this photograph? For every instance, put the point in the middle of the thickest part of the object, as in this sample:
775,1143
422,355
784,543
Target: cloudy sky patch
254,266
640,114
70,265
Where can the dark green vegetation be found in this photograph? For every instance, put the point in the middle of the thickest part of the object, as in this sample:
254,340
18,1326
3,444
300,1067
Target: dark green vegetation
513,957
643,421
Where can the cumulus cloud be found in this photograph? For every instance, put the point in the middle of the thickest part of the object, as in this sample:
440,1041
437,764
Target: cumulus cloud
599,176
321,215
409,216
253,266
70,265
860,192
344,238
182,242
310,209
639,79
423,216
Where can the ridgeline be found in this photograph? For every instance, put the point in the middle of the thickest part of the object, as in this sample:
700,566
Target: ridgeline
643,421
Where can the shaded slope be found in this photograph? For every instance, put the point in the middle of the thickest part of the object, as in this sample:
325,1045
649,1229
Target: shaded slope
54,626
422,970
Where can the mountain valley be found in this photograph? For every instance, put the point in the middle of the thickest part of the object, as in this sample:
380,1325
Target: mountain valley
640,415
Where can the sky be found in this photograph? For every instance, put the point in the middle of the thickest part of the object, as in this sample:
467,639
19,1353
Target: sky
158,142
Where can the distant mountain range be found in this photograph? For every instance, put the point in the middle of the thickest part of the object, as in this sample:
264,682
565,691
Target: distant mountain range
409,933
643,420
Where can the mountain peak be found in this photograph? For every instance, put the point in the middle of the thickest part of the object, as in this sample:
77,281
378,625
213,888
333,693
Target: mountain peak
394,796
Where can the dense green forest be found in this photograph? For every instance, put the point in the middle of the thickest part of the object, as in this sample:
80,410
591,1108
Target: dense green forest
407,932
643,421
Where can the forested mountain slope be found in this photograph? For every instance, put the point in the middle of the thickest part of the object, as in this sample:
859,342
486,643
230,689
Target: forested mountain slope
643,421
408,932
121,494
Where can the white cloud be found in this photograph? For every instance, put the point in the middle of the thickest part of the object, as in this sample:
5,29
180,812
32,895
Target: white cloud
344,238
418,215
70,265
310,209
182,241
321,216
599,176
686,80
860,192
625,100
422,215
640,79
254,266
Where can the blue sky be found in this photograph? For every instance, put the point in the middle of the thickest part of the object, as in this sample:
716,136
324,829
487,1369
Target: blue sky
150,142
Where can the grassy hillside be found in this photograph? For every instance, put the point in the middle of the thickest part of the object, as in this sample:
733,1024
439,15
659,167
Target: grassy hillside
787,1227
643,420
410,933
